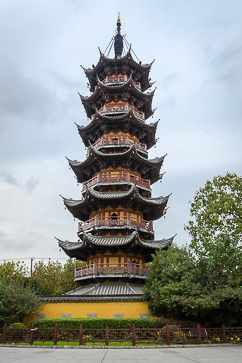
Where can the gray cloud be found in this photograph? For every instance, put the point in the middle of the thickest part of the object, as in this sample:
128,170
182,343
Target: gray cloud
31,184
227,64
22,97
9,178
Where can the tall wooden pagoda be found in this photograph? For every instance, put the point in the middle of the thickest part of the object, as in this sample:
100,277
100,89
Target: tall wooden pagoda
116,211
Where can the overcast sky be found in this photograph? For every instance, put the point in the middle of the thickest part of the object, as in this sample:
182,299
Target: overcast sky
197,47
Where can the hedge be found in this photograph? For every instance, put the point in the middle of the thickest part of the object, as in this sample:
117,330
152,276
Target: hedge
97,323
17,326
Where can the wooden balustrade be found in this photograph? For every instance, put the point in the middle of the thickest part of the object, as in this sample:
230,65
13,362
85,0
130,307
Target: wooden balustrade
120,109
118,140
111,222
112,268
119,177
119,79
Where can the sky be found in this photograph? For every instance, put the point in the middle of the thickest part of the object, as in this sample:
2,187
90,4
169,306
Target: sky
197,47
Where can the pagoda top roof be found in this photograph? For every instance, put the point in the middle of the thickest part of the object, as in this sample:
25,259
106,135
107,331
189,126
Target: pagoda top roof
130,116
113,63
99,159
84,248
128,88
153,208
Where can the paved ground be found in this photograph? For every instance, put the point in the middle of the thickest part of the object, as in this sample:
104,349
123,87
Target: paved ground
221,354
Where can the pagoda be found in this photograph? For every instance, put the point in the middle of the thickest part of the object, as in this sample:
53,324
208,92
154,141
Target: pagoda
116,210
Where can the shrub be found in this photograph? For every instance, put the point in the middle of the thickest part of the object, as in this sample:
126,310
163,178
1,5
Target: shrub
87,323
17,326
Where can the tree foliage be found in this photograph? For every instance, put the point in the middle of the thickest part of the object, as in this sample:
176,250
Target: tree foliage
179,286
17,302
52,278
203,282
217,209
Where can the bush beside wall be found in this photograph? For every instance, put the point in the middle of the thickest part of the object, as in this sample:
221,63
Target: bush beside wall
88,323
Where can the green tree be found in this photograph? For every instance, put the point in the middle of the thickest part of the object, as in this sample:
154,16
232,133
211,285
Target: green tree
170,279
181,287
67,276
203,281
217,209
46,277
12,272
3,304
53,278
17,302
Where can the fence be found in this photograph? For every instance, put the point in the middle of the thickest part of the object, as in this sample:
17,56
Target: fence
134,336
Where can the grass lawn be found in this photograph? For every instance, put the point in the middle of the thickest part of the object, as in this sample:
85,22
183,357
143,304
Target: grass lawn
116,344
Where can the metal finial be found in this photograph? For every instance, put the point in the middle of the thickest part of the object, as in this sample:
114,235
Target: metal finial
118,21
118,40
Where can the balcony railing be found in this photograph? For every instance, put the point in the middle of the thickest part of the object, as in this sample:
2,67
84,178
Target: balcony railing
112,268
112,178
119,140
118,79
111,222
106,110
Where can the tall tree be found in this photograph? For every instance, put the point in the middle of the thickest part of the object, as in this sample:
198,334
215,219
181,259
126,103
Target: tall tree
17,302
217,209
14,272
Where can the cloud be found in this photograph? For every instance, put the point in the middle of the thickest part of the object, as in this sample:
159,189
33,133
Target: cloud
31,184
9,178
227,64
22,97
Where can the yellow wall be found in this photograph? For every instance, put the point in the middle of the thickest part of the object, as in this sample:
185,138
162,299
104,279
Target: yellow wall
102,309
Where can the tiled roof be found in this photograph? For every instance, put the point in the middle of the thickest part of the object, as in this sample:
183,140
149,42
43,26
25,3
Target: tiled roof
127,59
91,298
130,116
95,156
74,249
108,289
93,198
127,87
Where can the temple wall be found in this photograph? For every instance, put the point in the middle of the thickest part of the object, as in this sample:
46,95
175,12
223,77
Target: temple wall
102,309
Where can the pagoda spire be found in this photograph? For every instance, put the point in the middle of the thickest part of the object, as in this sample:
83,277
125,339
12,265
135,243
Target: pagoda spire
118,40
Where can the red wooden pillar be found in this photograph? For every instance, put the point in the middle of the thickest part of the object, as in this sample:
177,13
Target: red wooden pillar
4,333
106,335
31,335
55,334
133,335
167,335
224,334
81,335
199,334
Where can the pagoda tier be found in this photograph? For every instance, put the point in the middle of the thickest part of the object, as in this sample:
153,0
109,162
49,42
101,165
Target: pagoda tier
121,178
152,208
98,245
97,160
108,96
124,119
106,67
